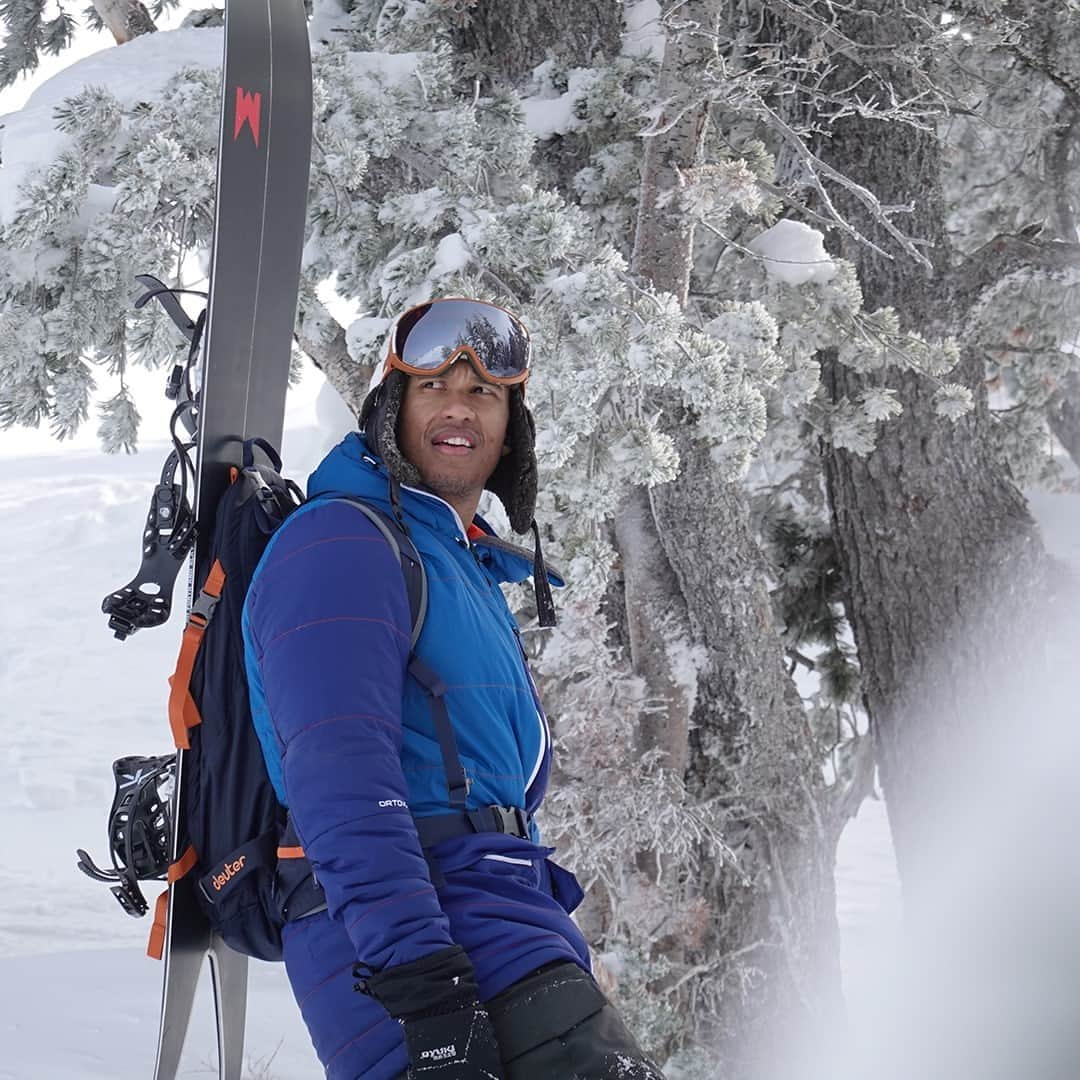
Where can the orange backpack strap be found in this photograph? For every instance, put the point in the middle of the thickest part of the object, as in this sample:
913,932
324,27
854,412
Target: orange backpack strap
155,947
183,713
183,866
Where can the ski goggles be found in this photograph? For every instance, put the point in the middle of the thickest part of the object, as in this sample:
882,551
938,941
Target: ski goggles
428,338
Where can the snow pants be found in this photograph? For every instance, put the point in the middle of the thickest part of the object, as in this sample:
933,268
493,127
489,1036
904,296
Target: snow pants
556,1024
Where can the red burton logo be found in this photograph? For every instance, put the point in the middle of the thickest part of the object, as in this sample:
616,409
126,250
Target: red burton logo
248,111
228,872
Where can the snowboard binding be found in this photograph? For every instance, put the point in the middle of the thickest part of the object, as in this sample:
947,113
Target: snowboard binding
140,829
146,600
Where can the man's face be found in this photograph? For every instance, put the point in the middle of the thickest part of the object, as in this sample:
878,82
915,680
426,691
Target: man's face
452,427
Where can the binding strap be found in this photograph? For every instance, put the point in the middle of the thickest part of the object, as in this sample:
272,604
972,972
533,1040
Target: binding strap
155,947
183,712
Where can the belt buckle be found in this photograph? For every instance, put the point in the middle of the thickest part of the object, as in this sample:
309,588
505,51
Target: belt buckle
514,821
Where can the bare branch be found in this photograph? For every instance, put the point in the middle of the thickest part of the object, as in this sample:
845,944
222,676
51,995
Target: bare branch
806,20
322,338
816,168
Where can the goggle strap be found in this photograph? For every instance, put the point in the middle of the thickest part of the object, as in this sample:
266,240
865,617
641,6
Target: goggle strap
545,605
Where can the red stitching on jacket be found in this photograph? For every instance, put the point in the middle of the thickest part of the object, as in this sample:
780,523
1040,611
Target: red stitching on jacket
378,539
329,978
333,619
359,1038
395,727
382,903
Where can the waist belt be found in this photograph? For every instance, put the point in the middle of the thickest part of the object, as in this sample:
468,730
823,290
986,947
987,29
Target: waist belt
304,895
507,820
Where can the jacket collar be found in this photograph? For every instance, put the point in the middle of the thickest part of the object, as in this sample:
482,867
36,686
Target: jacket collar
352,468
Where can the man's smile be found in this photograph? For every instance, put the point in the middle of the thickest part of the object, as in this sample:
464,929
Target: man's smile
454,442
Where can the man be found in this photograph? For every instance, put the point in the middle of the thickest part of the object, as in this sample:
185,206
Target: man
418,822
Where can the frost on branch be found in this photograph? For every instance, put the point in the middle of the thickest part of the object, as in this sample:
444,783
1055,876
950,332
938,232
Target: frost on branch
953,401
108,173
28,34
71,399
853,425
119,425
1026,328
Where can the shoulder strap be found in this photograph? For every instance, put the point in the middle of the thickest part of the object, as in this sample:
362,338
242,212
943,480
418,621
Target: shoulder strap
412,566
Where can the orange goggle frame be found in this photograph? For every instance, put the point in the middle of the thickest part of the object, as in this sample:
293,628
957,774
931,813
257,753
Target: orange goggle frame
429,338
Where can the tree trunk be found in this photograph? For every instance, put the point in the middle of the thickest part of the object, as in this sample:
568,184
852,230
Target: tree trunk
694,573
694,584
944,565
750,747
322,338
1064,416
507,41
125,19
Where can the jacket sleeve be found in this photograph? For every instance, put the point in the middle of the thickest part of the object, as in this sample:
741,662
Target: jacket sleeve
329,622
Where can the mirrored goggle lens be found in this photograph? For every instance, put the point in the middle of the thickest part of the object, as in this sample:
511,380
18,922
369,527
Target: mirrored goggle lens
428,337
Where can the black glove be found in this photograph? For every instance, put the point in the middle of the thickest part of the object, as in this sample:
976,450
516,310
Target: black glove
447,1031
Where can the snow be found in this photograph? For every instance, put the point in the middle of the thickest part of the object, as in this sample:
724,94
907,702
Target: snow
134,72
363,333
451,255
329,20
644,32
391,68
686,662
793,252
546,117
548,112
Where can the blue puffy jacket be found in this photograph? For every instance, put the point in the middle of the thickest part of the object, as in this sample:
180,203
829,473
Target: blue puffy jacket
348,736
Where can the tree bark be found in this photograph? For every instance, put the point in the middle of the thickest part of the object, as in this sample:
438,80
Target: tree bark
693,570
322,339
506,43
125,19
1064,416
944,564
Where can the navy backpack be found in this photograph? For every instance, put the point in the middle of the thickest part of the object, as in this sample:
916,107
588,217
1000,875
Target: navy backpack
251,875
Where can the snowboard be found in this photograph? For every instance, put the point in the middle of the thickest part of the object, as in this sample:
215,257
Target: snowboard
264,152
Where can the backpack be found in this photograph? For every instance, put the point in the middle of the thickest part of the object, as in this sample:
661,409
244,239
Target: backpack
250,873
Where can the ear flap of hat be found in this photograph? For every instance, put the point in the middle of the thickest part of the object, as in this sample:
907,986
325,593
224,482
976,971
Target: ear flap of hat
378,421
515,478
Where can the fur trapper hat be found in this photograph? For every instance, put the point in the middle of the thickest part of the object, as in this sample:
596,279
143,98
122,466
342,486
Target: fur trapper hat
514,480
